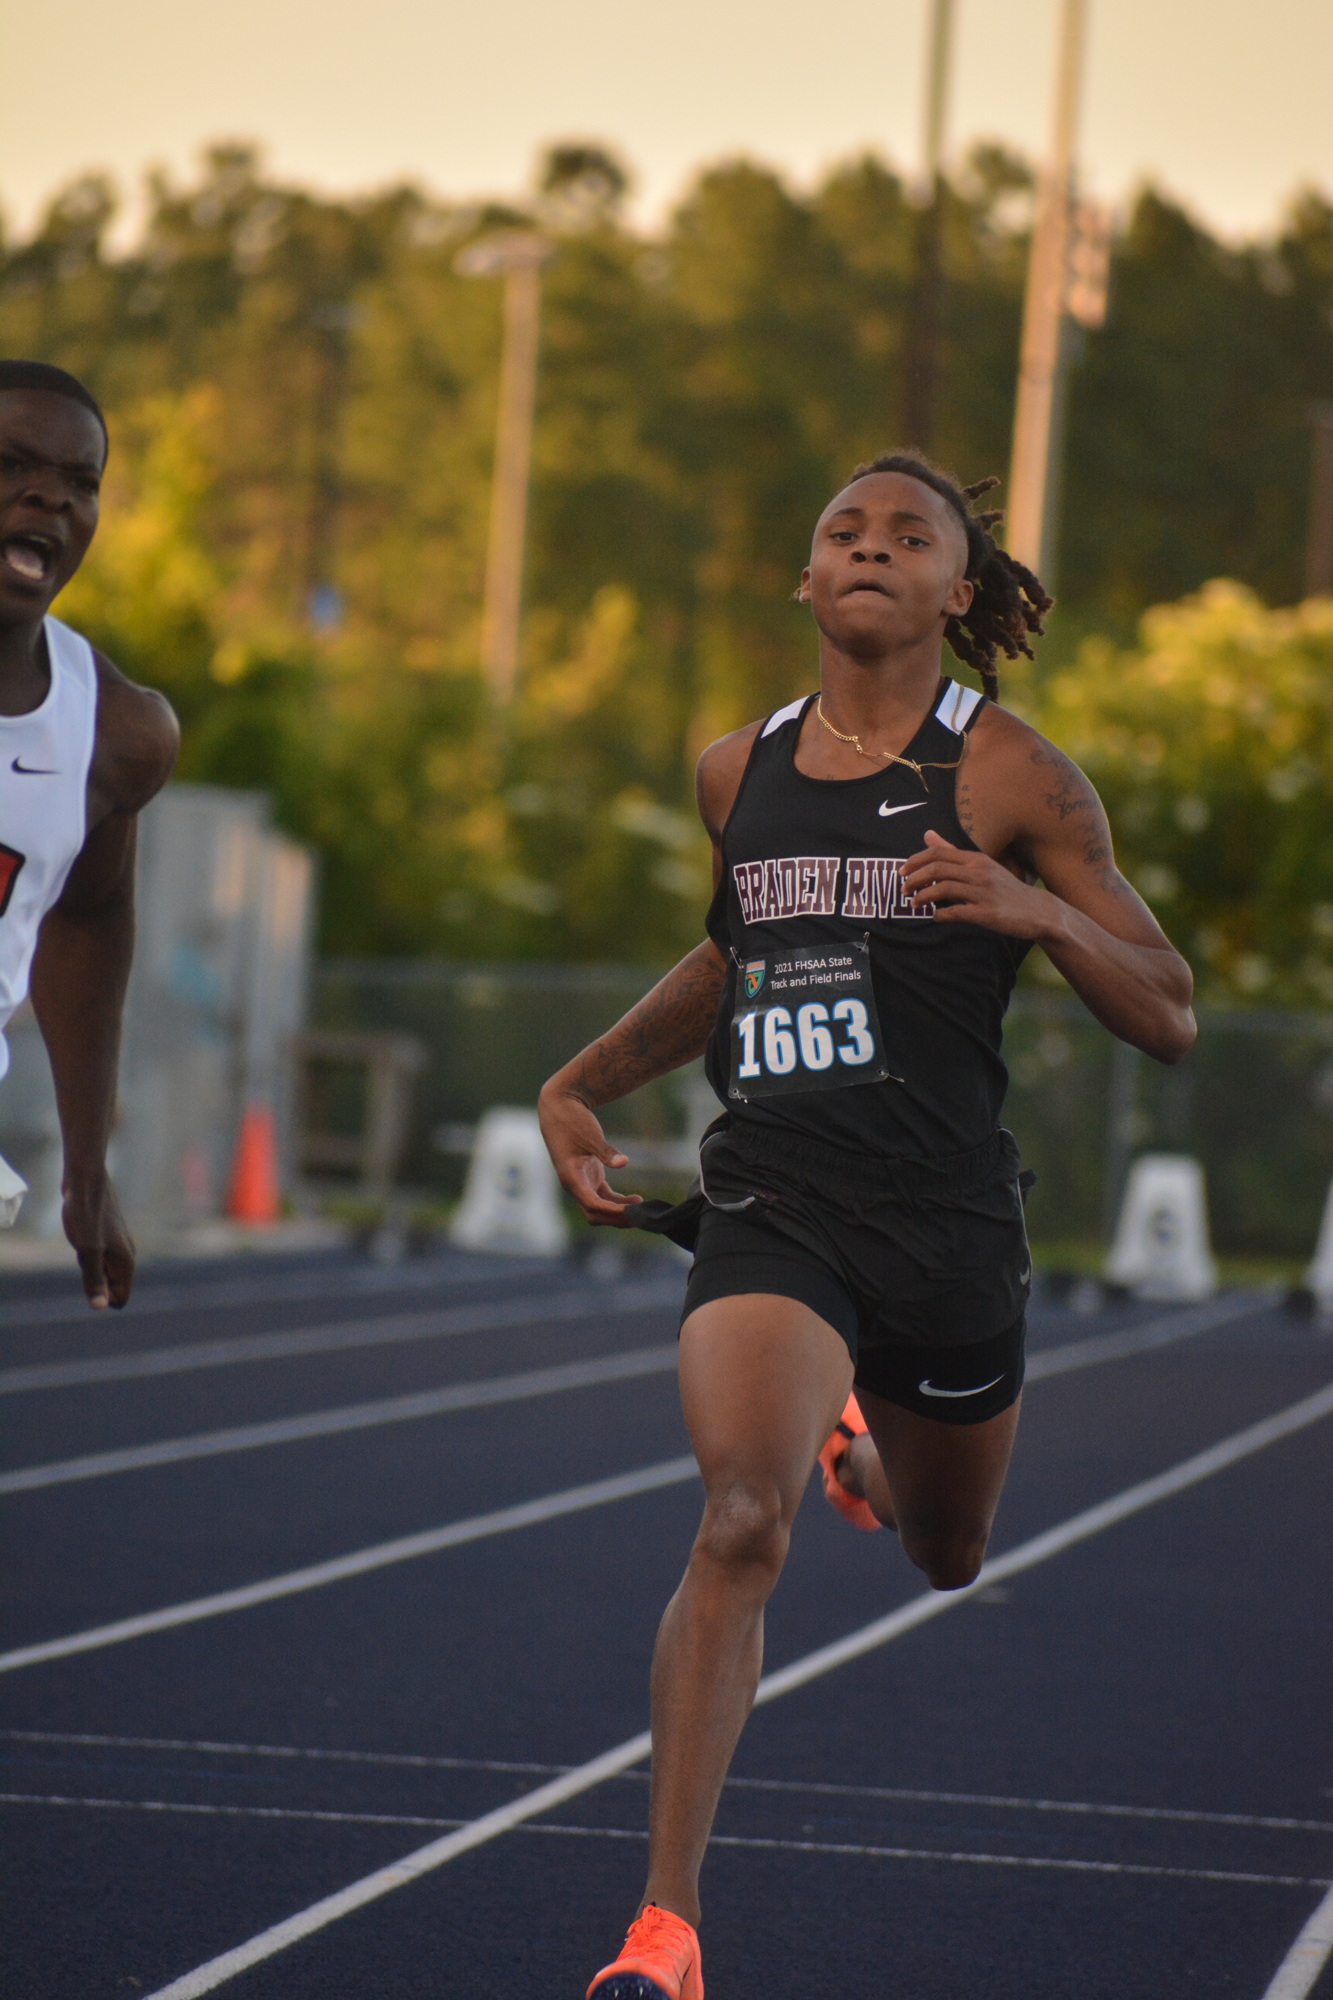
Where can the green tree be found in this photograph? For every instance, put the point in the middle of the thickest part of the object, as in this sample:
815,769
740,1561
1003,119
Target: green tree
1211,742
302,393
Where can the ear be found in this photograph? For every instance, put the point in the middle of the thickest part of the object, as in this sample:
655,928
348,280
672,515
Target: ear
960,598
802,590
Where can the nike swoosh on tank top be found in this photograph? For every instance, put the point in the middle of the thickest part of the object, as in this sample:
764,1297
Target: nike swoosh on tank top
811,866
44,761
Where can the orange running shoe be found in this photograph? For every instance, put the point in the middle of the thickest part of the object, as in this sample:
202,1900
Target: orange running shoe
851,1425
660,1961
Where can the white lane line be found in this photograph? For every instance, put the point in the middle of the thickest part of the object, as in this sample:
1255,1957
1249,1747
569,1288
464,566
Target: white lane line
293,1288
225,1812
640,1296
528,1514
718,1839
287,1750
1266,1822
338,1335
1141,1339
1310,1410
484,1394
320,1423
1269,1823
1299,1970
944,1854
1092,1521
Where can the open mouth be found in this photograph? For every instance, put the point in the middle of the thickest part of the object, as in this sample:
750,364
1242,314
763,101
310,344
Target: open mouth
32,557
877,588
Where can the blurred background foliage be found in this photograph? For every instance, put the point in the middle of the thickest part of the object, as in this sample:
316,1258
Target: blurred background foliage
302,401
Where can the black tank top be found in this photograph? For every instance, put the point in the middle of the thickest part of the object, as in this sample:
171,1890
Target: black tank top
811,863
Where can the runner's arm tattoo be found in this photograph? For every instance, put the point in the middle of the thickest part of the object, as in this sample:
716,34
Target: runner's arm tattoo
1063,785
670,1026
1067,792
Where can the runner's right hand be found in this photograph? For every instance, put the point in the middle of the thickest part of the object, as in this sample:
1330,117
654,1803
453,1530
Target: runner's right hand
581,1153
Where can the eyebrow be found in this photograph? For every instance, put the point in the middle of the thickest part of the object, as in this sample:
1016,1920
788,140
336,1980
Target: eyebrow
901,514
37,457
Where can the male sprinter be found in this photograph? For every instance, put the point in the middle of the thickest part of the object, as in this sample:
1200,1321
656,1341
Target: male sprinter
82,751
886,853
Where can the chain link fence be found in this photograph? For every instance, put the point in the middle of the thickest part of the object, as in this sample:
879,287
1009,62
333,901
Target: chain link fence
1254,1101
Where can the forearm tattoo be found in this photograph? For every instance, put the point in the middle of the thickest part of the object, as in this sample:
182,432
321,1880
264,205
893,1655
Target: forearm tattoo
670,1026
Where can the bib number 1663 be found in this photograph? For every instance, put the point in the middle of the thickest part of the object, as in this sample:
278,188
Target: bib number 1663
773,1040
805,1020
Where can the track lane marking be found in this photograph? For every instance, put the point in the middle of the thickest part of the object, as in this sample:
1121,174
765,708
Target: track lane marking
285,1750
1079,1527
243,1598
434,1402
1265,1822
288,1288
1123,1342
337,1336
943,1854
1300,1969
484,1394
529,1513
1269,1823
190,1807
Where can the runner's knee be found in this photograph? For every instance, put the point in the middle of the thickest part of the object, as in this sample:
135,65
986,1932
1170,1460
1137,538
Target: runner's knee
745,1529
951,1555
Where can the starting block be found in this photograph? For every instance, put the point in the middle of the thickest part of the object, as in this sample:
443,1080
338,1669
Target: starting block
1161,1248
511,1202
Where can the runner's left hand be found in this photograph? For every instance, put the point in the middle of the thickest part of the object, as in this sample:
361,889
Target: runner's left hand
103,1245
970,888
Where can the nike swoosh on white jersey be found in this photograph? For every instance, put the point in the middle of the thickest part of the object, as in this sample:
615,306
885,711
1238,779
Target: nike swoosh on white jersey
928,1389
887,812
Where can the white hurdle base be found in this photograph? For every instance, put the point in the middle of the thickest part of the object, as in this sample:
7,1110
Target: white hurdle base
512,1199
13,1187
1161,1248
1319,1277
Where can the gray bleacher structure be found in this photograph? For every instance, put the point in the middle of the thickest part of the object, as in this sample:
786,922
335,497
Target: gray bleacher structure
218,992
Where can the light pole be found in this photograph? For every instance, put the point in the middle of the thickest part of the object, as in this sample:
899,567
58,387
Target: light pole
921,367
517,255
1041,360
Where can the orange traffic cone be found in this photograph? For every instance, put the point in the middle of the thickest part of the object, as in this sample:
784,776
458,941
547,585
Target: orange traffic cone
253,1193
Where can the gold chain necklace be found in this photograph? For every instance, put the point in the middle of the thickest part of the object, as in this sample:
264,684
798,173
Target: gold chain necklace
888,756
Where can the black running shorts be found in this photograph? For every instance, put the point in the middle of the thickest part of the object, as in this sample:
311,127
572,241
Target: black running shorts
922,1267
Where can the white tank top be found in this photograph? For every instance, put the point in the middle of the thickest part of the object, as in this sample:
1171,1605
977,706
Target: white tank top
44,760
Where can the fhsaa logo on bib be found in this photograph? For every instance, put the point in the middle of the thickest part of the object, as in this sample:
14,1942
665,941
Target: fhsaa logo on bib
754,976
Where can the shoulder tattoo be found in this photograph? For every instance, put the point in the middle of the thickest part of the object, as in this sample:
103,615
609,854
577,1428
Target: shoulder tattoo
1063,785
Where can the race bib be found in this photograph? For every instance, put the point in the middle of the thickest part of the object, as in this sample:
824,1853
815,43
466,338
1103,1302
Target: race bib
805,1020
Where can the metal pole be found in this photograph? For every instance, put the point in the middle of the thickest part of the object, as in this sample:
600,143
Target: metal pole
1040,361
921,366
518,256
1319,538
509,487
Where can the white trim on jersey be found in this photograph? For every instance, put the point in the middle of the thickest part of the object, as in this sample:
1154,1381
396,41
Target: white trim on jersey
956,707
787,714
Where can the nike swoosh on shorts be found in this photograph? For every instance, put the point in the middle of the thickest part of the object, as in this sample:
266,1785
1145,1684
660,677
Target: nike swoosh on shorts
927,1388
887,812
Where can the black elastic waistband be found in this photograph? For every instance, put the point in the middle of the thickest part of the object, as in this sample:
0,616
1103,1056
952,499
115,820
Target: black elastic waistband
767,1144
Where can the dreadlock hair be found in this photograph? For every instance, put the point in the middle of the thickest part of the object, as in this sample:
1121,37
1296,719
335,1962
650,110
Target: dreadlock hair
1008,601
